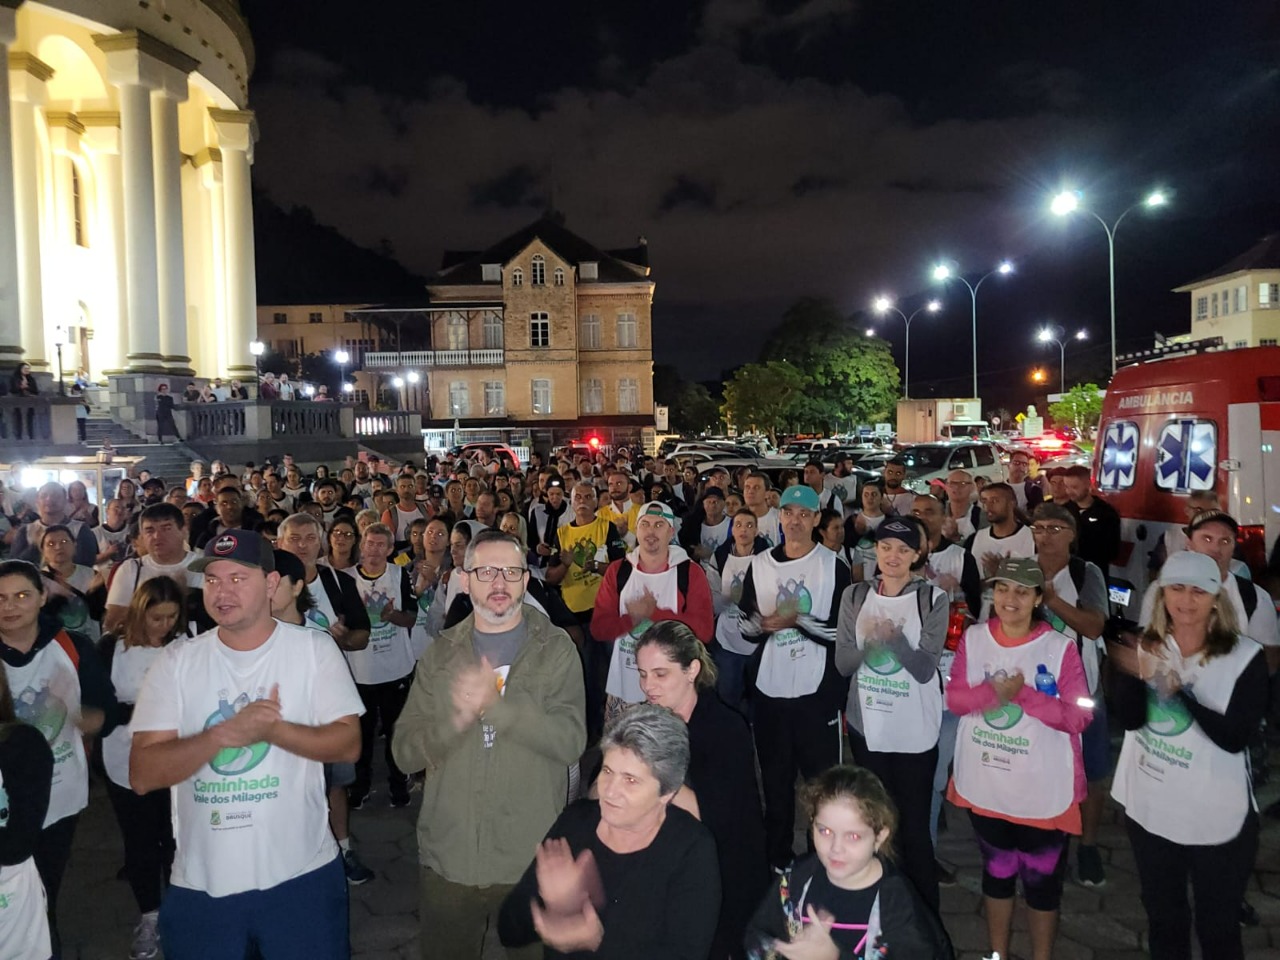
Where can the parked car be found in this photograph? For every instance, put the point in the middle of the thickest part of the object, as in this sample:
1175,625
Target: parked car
501,451
927,462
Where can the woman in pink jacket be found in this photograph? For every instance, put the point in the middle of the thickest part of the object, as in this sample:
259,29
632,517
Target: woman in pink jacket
1019,689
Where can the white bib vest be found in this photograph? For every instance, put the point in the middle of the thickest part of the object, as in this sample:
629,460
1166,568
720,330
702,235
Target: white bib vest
728,624
46,695
389,655
899,714
792,665
1006,760
1171,778
129,667
624,679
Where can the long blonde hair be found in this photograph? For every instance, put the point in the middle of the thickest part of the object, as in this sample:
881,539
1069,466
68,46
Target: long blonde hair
152,593
1220,638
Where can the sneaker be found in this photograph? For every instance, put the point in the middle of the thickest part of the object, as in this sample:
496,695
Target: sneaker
946,878
146,938
400,793
357,799
994,955
357,873
1089,871
1248,916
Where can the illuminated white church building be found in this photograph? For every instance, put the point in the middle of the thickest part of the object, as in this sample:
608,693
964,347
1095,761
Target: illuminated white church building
126,218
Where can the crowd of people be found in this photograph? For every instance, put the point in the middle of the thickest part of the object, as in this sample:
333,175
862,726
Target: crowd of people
624,666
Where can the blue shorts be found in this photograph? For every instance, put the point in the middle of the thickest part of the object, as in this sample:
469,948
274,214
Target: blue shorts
304,918
1095,742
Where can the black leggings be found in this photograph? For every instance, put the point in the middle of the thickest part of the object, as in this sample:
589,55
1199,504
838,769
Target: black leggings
1013,850
1219,875
53,850
382,705
908,777
147,829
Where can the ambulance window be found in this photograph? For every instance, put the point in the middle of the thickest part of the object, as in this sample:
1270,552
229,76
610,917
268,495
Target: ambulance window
1119,463
1187,455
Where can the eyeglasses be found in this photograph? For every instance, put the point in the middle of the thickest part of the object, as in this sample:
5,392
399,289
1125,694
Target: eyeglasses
1052,528
343,535
489,574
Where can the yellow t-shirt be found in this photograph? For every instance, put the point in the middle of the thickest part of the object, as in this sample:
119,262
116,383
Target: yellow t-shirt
624,520
579,587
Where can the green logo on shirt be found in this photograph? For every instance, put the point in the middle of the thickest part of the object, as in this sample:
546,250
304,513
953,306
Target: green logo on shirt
1002,718
882,661
1166,718
233,761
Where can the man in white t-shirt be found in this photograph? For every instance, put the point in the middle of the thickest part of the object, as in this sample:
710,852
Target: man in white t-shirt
755,490
162,527
238,722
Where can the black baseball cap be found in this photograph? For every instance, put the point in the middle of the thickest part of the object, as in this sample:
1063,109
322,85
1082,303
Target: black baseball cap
288,565
245,547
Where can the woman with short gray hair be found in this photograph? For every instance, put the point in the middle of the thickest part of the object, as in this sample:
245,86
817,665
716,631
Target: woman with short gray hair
628,875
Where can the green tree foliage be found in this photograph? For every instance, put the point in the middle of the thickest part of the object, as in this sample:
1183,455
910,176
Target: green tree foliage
850,378
1080,407
694,410
763,397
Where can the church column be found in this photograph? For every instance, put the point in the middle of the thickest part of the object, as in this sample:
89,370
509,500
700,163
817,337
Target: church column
28,78
102,135
170,262
10,308
138,64
236,132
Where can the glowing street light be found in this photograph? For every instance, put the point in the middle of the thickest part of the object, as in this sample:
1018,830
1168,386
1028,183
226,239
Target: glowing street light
257,348
1072,201
412,376
341,356
944,271
1056,335
882,305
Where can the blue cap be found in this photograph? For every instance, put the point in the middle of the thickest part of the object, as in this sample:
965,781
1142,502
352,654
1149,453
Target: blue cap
799,495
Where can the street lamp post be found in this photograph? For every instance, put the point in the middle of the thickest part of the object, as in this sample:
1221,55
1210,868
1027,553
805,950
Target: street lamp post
342,357
1069,201
1055,335
257,348
943,272
60,338
882,305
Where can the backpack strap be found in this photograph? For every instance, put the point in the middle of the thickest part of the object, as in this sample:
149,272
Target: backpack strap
1077,567
63,639
860,591
1248,597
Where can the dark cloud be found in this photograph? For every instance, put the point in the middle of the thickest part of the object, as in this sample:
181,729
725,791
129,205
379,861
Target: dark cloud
517,187
687,192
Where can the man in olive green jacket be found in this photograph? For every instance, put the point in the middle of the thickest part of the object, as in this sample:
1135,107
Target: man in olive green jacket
495,718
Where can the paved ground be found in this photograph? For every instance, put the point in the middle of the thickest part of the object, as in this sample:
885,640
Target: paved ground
98,911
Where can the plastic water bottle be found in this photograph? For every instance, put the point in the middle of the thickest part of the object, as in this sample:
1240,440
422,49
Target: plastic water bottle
1045,681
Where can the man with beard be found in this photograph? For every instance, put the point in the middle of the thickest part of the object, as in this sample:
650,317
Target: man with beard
496,717
897,498
545,516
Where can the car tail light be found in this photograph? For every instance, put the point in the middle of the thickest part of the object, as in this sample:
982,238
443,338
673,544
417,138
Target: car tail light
1253,546
956,626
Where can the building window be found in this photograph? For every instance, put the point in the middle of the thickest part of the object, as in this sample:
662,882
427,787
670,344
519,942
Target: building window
1240,344
1242,298
455,326
517,277
279,318
459,399
315,317
592,396
539,330
1267,342
628,395
538,271
558,277
77,207
591,331
490,272
542,396
1268,294
1213,304
495,398
626,330
1202,308
492,331
589,270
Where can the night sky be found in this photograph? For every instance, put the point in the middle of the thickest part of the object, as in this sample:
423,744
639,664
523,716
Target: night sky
770,150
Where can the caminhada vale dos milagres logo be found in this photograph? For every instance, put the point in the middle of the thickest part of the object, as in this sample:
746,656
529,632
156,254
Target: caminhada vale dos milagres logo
234,761
1166,718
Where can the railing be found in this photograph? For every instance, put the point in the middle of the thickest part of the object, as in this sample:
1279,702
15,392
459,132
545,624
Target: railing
433,358
306,419
209,420
389,423
25,421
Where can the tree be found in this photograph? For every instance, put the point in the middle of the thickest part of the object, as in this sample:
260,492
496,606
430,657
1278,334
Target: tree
1080,407
851,378
694,410
277,363
762,396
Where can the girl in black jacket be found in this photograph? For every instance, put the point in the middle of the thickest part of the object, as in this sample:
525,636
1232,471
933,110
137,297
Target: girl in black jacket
846,900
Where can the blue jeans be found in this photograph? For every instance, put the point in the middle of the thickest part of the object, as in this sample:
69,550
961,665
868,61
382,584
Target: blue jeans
304,918
946,751
732,680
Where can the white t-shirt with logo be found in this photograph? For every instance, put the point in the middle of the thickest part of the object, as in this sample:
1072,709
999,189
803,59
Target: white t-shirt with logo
141,569
253,817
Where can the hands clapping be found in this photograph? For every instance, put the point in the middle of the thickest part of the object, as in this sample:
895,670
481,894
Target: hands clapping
254,722
570,890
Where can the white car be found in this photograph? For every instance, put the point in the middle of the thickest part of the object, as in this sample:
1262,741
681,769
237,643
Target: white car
927,462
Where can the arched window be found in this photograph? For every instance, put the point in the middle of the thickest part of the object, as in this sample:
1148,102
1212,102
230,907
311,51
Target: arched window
78,226
517,277
558,277
538,271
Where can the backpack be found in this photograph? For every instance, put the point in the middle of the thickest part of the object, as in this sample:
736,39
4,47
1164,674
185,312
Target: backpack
924,599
